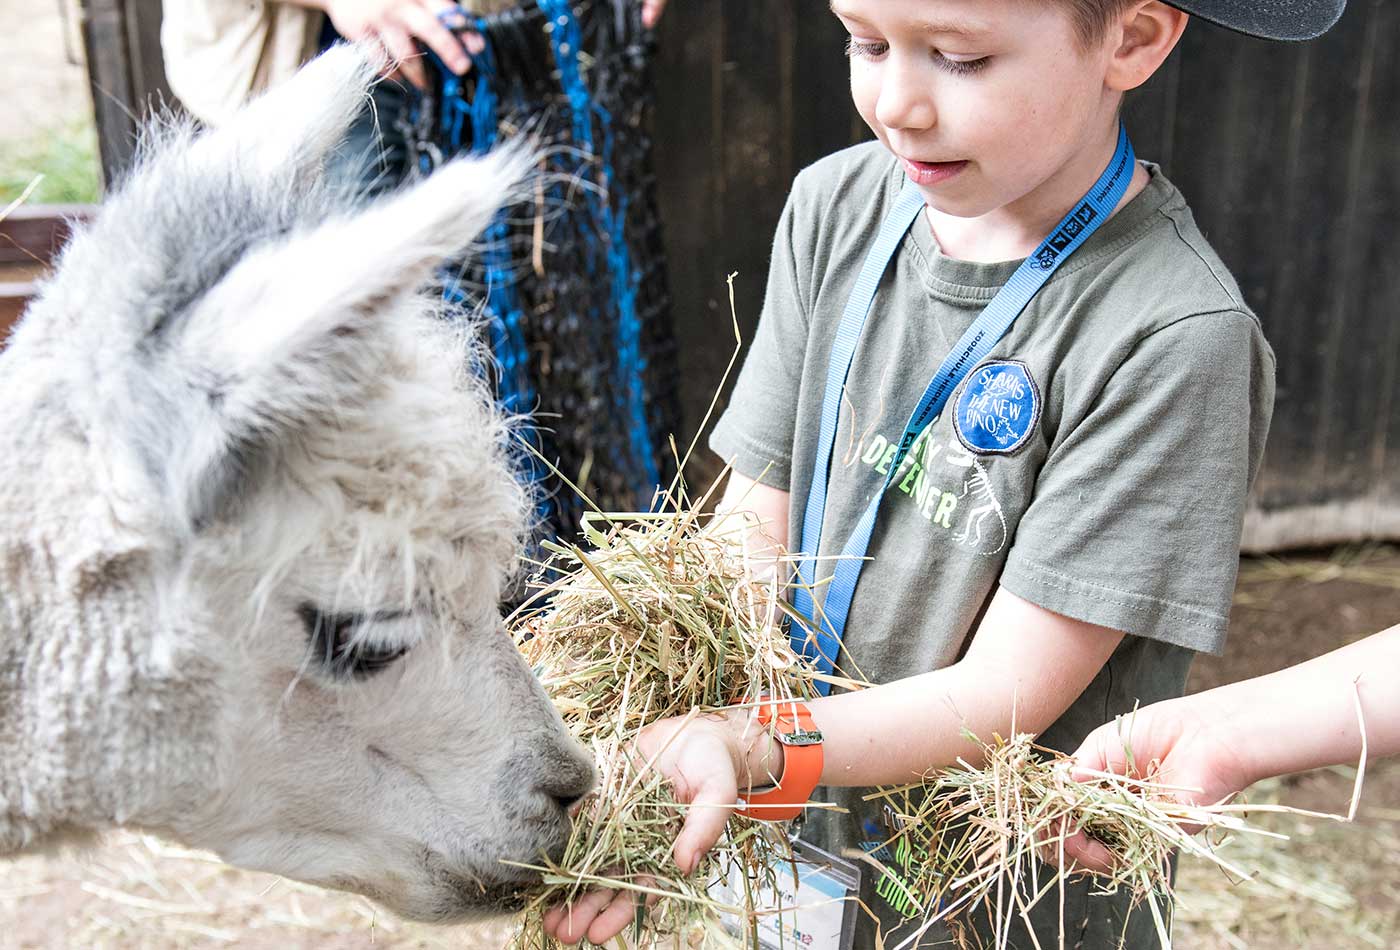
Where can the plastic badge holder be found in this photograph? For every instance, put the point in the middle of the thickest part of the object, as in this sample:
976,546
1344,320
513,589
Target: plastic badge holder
816,910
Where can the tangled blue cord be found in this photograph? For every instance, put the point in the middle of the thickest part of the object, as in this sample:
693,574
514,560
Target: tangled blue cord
472,124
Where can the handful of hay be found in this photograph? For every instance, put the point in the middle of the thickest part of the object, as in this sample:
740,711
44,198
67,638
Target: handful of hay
661,617
977,836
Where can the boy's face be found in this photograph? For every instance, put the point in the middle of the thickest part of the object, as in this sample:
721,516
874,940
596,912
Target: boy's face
983,101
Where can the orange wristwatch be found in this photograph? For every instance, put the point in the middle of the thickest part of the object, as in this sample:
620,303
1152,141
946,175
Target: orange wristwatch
791,722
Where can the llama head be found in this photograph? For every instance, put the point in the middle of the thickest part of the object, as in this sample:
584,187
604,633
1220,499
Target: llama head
265,514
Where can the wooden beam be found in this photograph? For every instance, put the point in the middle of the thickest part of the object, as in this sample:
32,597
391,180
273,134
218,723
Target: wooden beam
34,234
14,297
121,39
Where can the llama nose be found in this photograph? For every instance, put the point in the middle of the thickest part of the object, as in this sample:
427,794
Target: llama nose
567,779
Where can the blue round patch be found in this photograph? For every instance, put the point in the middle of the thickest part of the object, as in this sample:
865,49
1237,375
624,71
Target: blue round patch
997,408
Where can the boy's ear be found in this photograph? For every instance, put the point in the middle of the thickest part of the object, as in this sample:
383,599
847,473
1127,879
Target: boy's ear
1144,36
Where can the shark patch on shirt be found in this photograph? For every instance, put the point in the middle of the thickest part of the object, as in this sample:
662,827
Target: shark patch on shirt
997,408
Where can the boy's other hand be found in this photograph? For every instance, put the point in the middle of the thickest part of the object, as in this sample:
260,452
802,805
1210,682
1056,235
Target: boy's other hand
701,757
396,24
1183,743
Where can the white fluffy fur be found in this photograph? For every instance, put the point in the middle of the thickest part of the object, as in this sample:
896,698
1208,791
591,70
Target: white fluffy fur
233,401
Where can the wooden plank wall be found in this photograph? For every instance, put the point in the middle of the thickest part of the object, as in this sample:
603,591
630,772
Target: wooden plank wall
1288,154
122,42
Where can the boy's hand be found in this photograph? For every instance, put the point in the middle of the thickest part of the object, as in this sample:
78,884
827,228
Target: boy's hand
396,24
703,758
1180,742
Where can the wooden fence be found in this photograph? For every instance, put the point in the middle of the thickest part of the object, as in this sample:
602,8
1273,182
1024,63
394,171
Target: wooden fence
1288,154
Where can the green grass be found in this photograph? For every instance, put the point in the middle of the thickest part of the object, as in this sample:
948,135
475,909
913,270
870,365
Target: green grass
66,157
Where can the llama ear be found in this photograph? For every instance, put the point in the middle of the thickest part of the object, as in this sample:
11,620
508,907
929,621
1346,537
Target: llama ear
296,124
298,327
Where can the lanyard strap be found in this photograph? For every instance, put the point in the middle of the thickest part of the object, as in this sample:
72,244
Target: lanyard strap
989,327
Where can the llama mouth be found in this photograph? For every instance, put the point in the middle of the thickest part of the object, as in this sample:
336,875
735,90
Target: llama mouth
505,890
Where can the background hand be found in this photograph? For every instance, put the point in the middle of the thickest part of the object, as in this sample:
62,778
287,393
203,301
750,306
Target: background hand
396,24
651,12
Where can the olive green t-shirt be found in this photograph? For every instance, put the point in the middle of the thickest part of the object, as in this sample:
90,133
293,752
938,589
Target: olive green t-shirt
1096,463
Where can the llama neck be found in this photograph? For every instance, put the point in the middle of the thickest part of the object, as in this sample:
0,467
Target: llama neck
88,729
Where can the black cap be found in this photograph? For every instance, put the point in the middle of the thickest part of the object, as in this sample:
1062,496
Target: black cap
1268,19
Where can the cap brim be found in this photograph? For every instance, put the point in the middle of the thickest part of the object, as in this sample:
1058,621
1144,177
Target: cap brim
1269,19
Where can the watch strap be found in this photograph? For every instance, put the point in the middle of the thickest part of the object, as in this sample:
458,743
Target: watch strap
791,723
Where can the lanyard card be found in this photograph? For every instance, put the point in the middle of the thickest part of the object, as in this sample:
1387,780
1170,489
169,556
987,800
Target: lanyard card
812,910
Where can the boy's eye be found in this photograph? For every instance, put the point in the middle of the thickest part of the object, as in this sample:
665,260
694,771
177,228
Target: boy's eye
861,49
961,67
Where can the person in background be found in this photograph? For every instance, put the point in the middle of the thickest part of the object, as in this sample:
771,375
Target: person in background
220,53
1223,740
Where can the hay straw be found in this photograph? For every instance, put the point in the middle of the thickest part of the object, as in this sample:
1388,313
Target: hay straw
664,616
1368,564
1334,885
134,891
23,197
977,837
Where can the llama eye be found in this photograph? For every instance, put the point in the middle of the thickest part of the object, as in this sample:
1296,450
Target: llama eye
331,642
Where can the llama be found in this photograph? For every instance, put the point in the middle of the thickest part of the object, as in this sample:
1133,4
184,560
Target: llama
255,519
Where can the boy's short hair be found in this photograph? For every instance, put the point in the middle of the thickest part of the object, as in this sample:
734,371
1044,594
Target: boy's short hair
1091,17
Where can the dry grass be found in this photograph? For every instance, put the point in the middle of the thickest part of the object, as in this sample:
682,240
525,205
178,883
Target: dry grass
978,836
1367,564
1329,887
662,617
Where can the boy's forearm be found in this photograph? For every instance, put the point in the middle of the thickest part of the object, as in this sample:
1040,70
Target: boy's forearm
760,513
897,732
1304,717
1026,665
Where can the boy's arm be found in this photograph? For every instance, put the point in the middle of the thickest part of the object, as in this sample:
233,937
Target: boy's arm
1025,664
1024,667
765,509
1025,661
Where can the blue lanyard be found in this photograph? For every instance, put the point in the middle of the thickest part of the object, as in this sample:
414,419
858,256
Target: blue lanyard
990,326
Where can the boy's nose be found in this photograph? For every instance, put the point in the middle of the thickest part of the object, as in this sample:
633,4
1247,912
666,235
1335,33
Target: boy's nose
906,99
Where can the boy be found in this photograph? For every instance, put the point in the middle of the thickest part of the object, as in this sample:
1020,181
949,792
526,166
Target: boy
1054,545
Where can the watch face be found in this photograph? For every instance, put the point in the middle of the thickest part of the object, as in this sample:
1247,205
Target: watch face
799,736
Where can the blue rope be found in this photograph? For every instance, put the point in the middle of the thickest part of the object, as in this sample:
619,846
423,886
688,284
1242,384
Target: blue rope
472,123
514,390
565,38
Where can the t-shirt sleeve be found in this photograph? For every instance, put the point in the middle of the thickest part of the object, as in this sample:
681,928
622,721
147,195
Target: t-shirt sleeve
1136,518
755,433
